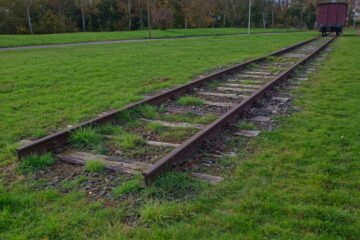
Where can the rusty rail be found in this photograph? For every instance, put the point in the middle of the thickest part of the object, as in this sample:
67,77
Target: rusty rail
189,147
54,141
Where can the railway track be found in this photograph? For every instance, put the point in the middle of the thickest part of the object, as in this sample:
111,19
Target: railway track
163,131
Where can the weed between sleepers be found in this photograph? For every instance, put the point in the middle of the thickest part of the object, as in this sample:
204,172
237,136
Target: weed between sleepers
86,138
242,125
95,166
190,101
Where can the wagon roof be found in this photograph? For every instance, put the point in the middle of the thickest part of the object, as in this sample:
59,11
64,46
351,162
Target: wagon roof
330,3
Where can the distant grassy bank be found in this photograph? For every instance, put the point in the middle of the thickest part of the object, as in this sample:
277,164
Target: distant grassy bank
46,39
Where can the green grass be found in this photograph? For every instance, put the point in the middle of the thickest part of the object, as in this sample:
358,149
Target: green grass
43,39
252,66
129,141
125,116
177,134
155,127
169,134
274,70
110,129
147,111
299,181
212,85
249,82
173,186
25,206
36,162
86,138
189,118
95,166
143,111
190,101
243,125
130,186
162,214
74,184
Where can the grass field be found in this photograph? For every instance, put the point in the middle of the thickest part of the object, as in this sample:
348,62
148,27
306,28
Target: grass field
43,39
301,182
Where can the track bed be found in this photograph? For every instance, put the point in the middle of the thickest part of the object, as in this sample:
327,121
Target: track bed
177,128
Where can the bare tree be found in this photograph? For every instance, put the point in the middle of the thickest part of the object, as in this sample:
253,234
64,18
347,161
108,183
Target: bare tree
225,4
61,13
140,10
356,12
272,14
81,5
19,16
302,3
186,8
234,4
28,4
149,17
264,6
249,16
224,10
129,13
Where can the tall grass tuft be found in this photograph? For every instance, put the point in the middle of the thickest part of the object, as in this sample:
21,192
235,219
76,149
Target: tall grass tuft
86,138
36,162
130,141
155,127
190,101
130,186
147,111
95,166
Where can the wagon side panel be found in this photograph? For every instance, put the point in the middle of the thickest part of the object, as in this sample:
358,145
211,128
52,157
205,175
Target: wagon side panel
322,15
332,15
341,14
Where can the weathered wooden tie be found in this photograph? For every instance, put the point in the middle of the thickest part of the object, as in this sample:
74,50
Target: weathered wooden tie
112,163
174,124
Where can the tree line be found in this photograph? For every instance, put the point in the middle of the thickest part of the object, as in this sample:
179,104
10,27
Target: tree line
59,16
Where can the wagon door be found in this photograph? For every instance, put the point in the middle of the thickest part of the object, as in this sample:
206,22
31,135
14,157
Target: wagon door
322,15
341,14
332,15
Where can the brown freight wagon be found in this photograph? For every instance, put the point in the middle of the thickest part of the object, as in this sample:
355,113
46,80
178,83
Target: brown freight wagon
331,17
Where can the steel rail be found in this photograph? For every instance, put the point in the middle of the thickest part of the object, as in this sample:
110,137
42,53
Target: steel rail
55,141
190,146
